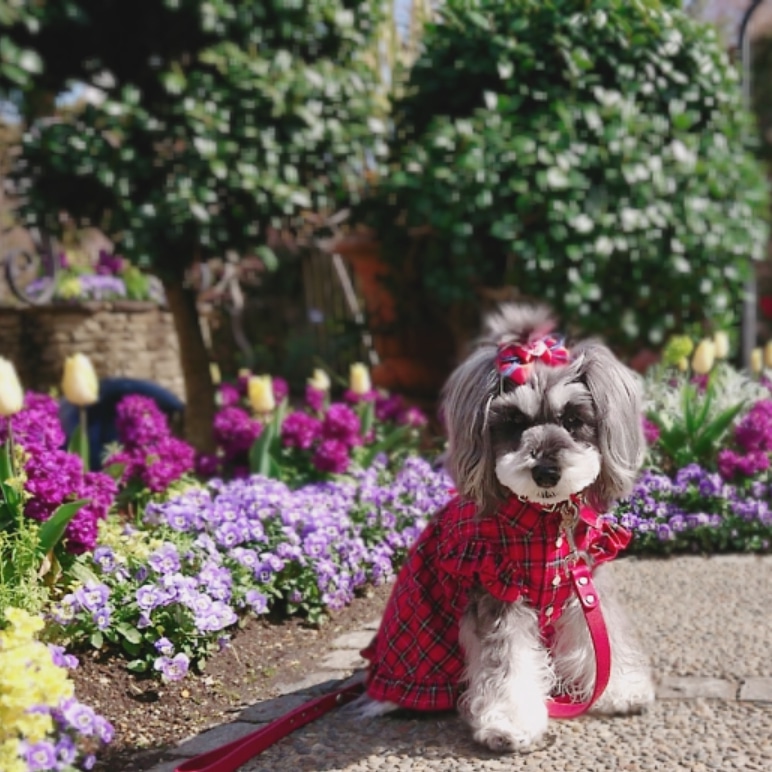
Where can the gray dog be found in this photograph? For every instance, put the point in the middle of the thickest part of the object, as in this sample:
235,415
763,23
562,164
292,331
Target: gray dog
483,616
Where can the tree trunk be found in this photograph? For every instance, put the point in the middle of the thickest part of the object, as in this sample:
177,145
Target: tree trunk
199,388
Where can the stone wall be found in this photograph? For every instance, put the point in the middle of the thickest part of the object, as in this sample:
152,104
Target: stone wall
126,338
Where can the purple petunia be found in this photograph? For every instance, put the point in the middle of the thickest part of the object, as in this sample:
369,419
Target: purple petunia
173,668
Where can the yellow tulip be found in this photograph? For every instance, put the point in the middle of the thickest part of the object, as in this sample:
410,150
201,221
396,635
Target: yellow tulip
704,357
768,354
260,390
11,393
683,364
319,380
757,360
80,384
359,379
721,343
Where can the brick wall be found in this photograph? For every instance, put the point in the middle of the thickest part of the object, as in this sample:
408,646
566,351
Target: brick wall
131,339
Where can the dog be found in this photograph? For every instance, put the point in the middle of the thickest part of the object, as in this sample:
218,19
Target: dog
483,617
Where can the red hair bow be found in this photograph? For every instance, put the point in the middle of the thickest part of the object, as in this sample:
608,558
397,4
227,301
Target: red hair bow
515,360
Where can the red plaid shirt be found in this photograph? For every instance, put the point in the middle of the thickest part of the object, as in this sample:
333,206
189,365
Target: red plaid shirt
519,553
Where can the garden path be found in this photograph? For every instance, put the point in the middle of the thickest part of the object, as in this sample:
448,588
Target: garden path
707,625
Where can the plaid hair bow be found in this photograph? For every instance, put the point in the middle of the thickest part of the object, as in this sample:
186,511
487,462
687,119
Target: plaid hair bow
515,360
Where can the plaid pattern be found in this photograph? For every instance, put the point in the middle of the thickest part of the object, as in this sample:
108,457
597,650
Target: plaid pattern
519,553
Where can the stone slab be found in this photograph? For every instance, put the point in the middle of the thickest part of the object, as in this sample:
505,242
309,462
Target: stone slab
214,738
268,710
756,690
696,687
356,640
342,659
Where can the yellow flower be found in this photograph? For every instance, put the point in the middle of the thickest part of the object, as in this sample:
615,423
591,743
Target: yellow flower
721,342
28,678
757,360
319,380
11,393
80,383
70,288
683,364
768,354
260,390
704,357
359,379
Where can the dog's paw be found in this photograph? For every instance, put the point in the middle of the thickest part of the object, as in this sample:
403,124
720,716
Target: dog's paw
365,707
504,735
629,699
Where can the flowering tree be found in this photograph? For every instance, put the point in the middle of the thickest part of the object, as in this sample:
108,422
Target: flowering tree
220,119
590,154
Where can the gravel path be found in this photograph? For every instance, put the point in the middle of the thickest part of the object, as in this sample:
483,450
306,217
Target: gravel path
708,626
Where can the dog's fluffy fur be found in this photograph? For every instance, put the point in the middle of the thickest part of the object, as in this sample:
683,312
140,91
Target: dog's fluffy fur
568,429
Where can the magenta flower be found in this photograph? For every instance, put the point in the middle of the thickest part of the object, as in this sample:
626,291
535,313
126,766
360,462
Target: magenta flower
331,456
300,430
235,431
342,423
280,389
650,431
315,398
150,453
229,395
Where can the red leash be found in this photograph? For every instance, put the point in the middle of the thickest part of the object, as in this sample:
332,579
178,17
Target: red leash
230,757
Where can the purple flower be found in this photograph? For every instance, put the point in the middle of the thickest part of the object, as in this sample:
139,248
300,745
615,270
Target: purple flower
60,658
40,756
92,597
315,398
173,668
300,430
164,646
229,395
78,716
257,601
104,557
235,432
341,423
280,389
165,560
332,456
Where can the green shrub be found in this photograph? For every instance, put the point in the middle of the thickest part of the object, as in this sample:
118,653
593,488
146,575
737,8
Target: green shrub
593,155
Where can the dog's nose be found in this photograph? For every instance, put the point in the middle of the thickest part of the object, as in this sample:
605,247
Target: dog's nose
545,474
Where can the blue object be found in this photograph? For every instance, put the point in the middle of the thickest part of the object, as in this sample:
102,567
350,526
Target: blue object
101,415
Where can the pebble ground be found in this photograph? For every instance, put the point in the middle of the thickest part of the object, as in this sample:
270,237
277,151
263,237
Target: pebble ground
707,624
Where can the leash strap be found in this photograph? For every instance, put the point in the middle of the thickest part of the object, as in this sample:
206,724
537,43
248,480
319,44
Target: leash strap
564,707
230,757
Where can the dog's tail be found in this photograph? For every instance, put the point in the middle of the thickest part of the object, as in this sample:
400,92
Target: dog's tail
517,323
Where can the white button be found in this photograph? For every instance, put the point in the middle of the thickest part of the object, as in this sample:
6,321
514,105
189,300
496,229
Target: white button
556,581
590,600
583,580
548,611
559,542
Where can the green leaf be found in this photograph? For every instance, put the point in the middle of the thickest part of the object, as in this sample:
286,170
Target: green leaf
53,529
79,445
260,452
115,471
6,473
386,444
131,634
97,639
137,666
367,417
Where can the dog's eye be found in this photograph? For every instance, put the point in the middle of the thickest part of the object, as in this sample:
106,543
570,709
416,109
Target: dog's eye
571,422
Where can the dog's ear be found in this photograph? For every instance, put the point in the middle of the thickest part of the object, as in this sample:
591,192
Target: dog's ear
617,393
465,401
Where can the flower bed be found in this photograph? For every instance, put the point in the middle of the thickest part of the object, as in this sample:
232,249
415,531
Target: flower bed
179,563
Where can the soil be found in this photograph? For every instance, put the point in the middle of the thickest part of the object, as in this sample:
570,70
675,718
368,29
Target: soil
151,717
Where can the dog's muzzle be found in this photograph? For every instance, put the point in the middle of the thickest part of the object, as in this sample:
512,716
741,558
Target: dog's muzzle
546,474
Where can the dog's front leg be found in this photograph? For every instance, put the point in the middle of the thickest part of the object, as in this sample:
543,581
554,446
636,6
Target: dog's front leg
508,674
630,688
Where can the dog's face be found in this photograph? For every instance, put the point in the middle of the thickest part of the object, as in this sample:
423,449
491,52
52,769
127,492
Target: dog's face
544,437
568,425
